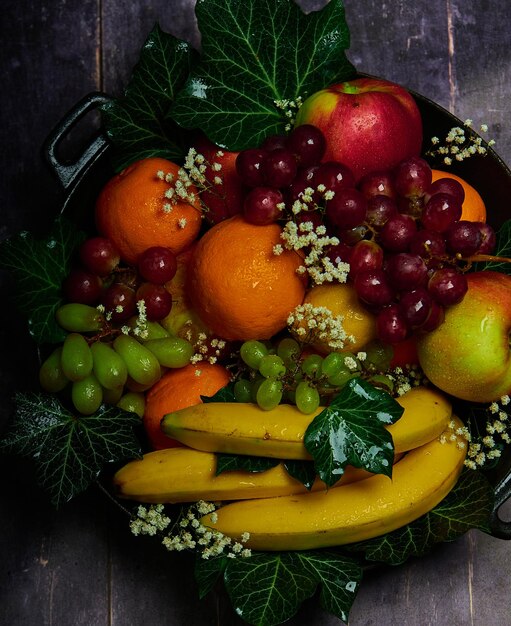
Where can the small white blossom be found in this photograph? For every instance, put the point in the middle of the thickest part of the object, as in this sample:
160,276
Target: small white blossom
314,324
458,145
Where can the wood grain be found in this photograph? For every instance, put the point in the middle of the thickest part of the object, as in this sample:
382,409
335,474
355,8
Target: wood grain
80,565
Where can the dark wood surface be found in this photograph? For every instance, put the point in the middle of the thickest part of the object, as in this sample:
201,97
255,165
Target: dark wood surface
80,565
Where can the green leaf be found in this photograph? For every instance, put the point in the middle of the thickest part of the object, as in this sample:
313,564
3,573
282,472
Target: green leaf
69,450
225,394
207,573
304,471
350,431
253,54
339,577
245,463
267,588
138,122
39,266
502,248
467,506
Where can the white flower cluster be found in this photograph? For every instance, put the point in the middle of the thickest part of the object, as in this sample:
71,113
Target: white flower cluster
486,447
316,264
149,521
196,166
108,314
207,349
181,189
140,329
458,146
405,378
290,108
317,323
306,202
193,173
188,533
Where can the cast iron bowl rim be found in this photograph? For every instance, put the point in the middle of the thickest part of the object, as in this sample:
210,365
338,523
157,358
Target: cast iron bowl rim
74,177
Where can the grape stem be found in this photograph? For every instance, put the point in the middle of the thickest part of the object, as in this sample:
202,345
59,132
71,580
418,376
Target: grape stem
488,257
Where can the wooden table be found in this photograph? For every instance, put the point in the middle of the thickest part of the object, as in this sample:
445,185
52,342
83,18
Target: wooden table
80,565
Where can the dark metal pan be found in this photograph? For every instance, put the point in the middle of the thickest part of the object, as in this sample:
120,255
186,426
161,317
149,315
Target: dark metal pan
81,180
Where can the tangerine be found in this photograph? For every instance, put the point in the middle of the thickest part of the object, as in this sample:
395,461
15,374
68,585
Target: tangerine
342,300
178,389
473,207
237,284
134,213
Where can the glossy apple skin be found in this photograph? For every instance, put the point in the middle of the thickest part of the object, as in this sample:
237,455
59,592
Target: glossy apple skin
468,356
369,123
223,200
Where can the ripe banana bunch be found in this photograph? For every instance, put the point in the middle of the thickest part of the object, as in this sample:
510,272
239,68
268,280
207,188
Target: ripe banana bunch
349,513
187,474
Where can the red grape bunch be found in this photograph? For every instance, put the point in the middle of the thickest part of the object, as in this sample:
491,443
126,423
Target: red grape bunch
401,233
413,264
101,280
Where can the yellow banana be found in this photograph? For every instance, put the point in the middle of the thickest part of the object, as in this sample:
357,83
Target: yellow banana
349,513
239,428
186,475
426,414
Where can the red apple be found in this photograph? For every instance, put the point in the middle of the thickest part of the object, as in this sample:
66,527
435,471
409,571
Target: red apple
369,123
468,355
226,199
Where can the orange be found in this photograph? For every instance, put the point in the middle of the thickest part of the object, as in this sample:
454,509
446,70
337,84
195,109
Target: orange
178,389
473,208
130,211
342,300
238,286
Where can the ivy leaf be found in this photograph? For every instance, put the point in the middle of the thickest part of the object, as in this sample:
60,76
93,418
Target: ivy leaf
467,506
350,431
304,471
502,248
207,573
254,54
39,266
225,394
69,450
138,122
339,577
267,588
245,463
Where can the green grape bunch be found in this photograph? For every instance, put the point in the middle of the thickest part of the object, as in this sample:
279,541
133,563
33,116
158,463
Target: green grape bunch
97,366
288,372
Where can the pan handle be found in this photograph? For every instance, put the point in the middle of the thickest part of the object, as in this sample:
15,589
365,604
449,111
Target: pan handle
67,173
499,527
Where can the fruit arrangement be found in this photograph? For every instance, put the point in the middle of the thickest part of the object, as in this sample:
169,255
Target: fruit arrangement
285,332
